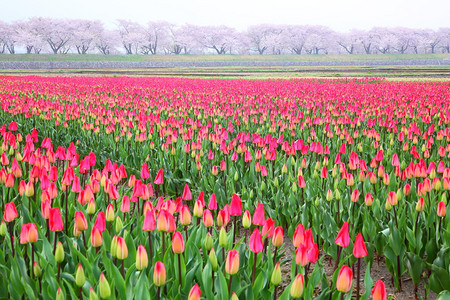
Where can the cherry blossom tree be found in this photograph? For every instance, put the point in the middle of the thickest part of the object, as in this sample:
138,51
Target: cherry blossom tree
155,34
319,39
259,37
55,32
221,39
182,40
294,37
348,41
85,34
8,37
445,38
106,41
29,37
131,34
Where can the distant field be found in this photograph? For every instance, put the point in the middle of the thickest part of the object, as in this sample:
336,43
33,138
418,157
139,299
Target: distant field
212,58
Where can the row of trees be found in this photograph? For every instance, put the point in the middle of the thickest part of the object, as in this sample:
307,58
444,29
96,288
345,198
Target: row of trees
39,35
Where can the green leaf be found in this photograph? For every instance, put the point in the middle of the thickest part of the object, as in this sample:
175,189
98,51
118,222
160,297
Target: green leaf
141,290
414,265
368,283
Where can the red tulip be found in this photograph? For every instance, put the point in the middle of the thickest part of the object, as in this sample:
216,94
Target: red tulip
186,193
29,233
259,215
299,236
255,242
125,205
236,205
10,212
313,253
149,221
379,291
301,181
344,279
100,221
159,177
441,210
80,221
359,248
55,220
355,195
212,202
268,228
343,238
301,255
208,219
144,171
96,237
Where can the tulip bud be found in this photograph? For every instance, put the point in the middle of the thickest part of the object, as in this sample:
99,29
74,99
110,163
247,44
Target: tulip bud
177,243
344,279
234,296
198,209
232,262
444,198
80,221
91,207
297,286
337,194
388,206
113,247
223,238
2,228
159,274
208,219
119,224
208,241
276,275
441,210
96,237
213,259
59,253
29,189
379,291
141,258
246,219
37,271
122,249
109,216
277,238
420,204
329,195
105,290
294,188
284,169
369,199
80,279
59,294
195,293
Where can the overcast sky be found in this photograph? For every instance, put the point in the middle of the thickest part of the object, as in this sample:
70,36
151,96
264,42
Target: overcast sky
340,15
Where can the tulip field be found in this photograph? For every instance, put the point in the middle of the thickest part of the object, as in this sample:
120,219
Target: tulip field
171,188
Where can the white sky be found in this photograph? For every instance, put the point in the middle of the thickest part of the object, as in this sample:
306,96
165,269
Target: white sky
340,15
